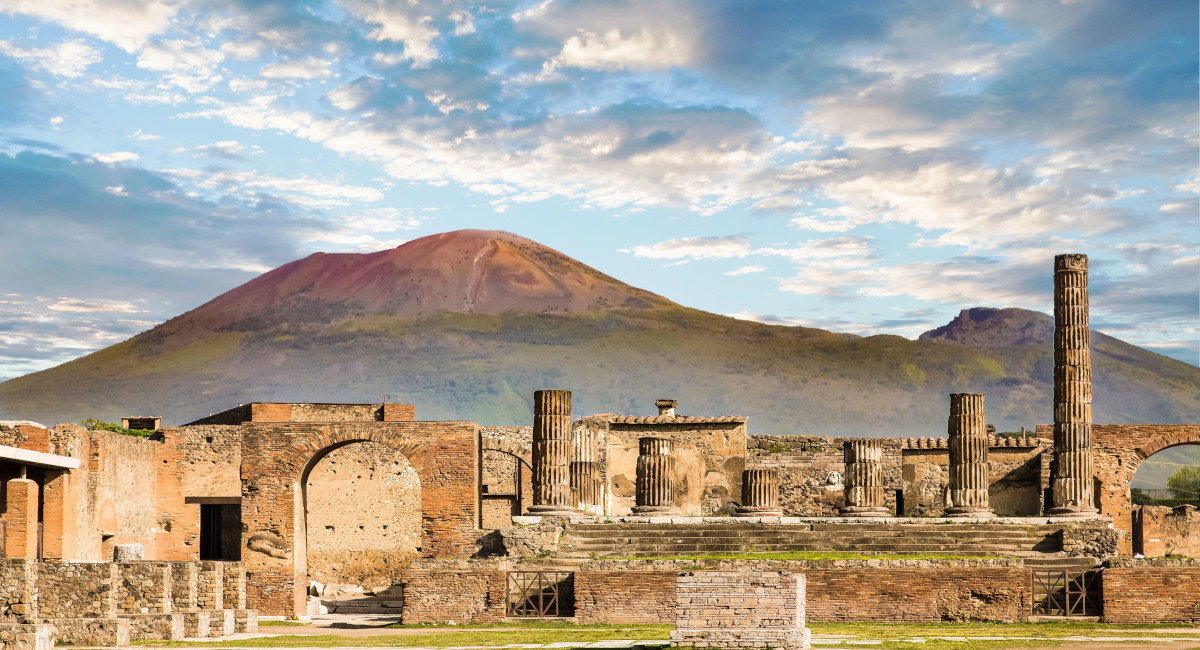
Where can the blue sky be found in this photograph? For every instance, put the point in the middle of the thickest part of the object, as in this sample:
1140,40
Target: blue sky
866,167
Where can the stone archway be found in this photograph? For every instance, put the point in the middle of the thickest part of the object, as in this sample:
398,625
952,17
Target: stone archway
1118,451
277,457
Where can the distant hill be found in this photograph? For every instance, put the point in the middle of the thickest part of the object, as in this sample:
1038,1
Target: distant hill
466,325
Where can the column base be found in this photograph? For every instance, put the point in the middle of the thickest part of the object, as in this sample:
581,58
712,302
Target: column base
1072,511
970,512
757,511
864,511
550,511
656,511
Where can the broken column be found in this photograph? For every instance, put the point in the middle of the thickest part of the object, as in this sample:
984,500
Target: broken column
969,441
586,487
655,487
1071,475
760,494
864,478
551,453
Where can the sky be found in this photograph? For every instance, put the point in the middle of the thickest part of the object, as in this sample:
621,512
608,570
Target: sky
864,167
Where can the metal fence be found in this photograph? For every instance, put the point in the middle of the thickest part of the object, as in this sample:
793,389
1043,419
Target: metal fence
540,594
1067,593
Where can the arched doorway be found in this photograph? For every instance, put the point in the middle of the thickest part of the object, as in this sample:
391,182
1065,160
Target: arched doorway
1165,491
362,507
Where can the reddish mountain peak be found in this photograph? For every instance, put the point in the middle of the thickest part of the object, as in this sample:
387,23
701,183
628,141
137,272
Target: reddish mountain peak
484,271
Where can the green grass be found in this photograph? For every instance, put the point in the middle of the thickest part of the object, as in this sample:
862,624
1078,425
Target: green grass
1051,630
803,555
445,636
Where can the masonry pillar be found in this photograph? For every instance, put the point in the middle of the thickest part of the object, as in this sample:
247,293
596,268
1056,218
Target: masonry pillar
586,487
655,486
864,478
969,441
760,494
551,453
1071,476
20,537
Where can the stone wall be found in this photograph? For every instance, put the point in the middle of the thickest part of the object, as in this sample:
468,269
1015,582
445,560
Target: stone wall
16,595
811,471
1150,594
926,595
1159,530
453,595
364,515
738,609
76,590
506,487
625,596
311,412
709,452
143,588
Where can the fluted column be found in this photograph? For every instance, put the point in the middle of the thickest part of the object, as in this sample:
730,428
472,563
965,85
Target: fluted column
586,487
551,453
760,494
969,443
864,478
1071,478
655,488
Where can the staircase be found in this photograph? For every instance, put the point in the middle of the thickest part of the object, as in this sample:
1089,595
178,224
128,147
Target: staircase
639,539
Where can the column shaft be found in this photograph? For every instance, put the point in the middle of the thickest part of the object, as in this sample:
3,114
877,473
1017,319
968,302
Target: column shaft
655,486
969,442
551,453
864,478
1071,476
760,494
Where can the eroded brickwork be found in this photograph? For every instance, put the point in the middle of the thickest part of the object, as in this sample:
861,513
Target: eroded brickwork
364,515
625,596
1151,594
455,595
1159,531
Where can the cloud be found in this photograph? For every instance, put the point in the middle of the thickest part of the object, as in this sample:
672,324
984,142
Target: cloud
712,248
128,24
643,50
310,68
397,23
116,157
227,149
185,63
746,270
85,306
66,59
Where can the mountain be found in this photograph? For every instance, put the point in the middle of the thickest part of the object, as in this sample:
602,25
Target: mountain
466,325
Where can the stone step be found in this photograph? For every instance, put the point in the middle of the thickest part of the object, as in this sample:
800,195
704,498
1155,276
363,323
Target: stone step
795,539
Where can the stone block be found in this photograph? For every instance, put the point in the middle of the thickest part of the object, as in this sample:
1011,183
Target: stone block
101,632
245,620
27,636
222,623
129,553
197,625
156,627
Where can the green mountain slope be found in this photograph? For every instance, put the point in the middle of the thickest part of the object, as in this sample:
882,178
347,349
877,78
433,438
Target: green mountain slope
479,353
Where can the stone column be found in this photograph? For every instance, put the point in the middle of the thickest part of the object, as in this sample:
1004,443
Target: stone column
864,478
760,494
1071,478
587,490
655,488
969,443
551,453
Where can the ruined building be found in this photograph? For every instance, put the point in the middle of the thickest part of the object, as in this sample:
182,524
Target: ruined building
267,506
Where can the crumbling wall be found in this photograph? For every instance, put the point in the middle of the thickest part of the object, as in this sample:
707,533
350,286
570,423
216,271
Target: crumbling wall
710,456
1151,591
506,486
364,515
1168,531
811,471
467,593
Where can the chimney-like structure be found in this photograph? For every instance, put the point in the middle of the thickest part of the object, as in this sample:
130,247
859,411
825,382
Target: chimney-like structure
666,406
1071,478
969,441
552,453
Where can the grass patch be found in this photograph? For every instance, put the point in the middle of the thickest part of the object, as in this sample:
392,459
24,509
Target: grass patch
1050,630
802,555
446,636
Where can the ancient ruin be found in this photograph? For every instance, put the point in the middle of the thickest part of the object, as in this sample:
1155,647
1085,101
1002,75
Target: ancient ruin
290,508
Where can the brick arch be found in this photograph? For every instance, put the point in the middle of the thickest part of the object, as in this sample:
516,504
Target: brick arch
1171,439
523,452
275,460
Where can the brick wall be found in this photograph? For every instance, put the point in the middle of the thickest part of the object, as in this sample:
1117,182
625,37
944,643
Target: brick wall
461,596
1167,531
364,515
1151,594
625,596
739,609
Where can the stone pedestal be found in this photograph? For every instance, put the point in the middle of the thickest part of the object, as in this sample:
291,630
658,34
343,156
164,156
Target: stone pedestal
864,479
740,609
1071,475
655,488
552,453
969,441
760,494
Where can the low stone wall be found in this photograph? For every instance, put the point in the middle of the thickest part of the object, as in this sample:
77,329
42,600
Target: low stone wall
738,609
625,596
1158,590
27,636
16,597
75,590
469,593
1167,531
143,588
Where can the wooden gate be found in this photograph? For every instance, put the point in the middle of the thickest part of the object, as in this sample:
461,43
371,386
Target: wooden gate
1067,593
540,594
